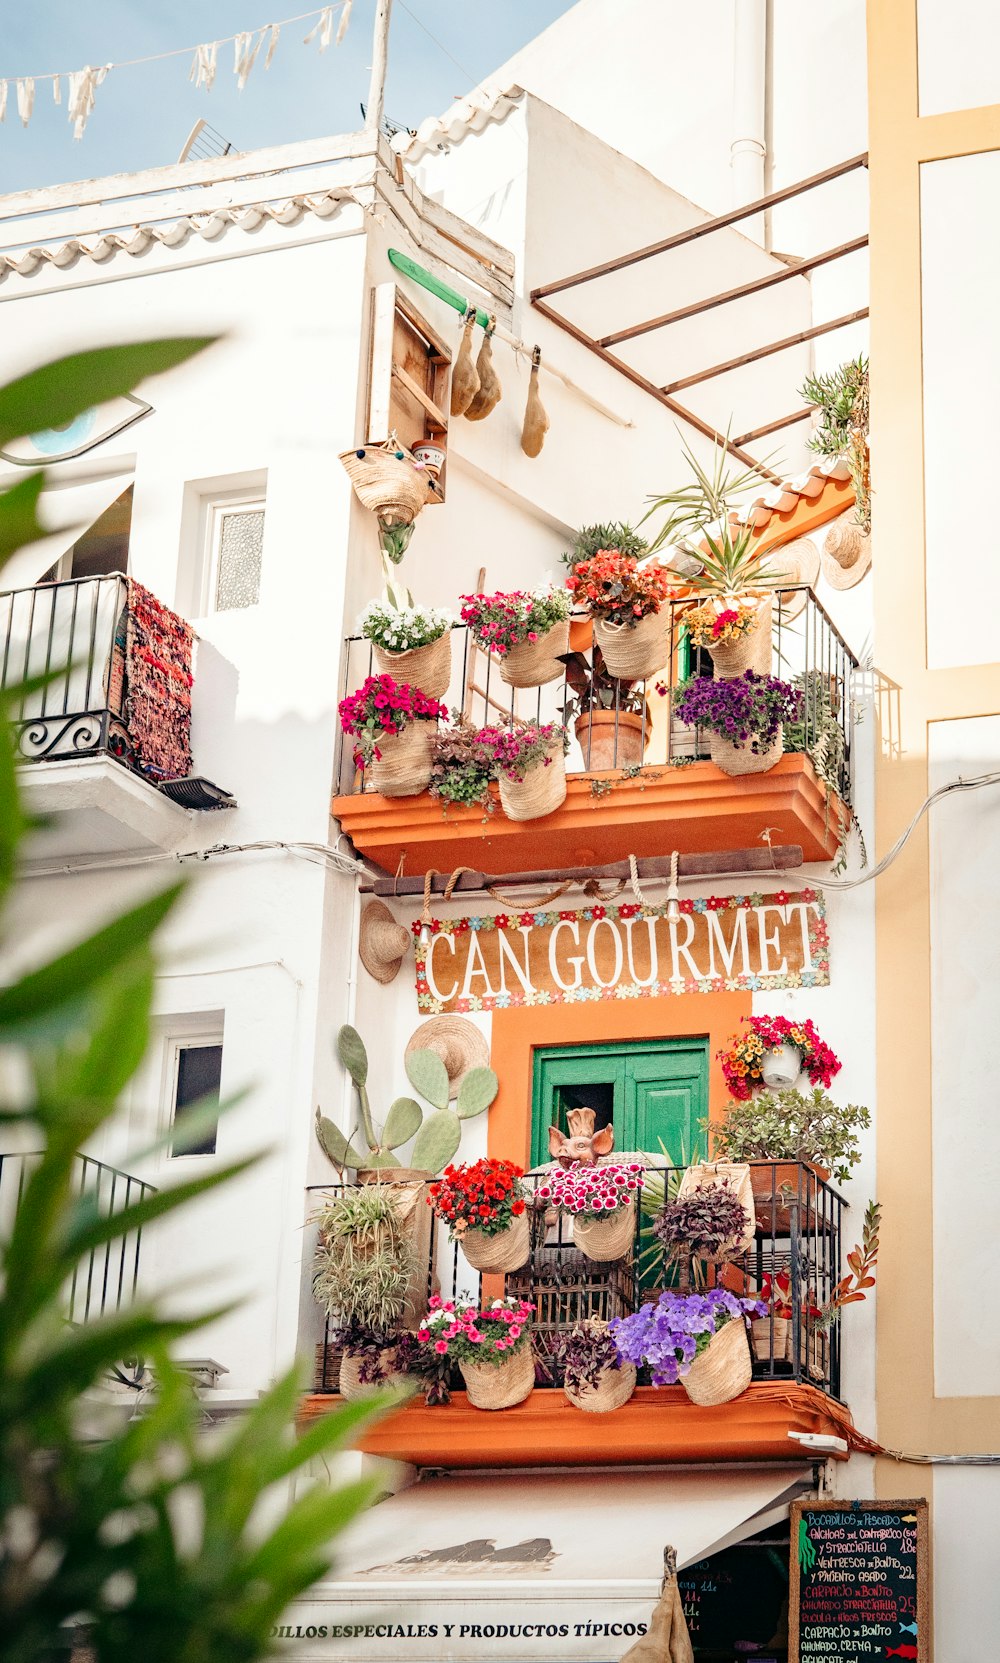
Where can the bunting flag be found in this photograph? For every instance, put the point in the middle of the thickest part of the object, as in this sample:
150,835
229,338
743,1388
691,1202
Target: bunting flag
82,84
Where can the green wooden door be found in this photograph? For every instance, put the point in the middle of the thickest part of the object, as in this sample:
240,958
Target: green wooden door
654,1092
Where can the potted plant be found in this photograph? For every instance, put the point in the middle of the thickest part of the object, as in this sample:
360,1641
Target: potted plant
601,1201
841,402
592,539
391,724
364,1266
699,1339
491,1347
769,1330
483,1205
526,629
744,718
612,719
595,1376
773,1052
529,762
626,601
461,767
793,1127
370,1357
411,643
733,630
710,1222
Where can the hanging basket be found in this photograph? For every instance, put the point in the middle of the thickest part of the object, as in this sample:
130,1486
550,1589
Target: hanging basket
611,739
740,759
770,1339
508,1250
541,792
781,1067
533,663
427,668
608,1238
350,1383
735,1176
500,1385
404,768
613,1390
723,1370
387,481
634,652
751,652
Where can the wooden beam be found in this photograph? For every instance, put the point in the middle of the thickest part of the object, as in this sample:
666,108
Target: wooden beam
696,307
416,391
782,858
718,223
766,351
774,427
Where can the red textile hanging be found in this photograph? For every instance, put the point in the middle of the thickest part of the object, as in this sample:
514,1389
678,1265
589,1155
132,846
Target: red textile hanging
158,681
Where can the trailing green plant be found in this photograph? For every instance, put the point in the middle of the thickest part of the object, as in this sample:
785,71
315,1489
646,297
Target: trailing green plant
590,539
461,767
841,397
365,1257
819,734
147,1541
791,1126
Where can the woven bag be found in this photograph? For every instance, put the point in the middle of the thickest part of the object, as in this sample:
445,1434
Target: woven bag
723,1370
605,1238
767,1346
351,1385
634,652
405,765
508,1250
614,1388
740,759
735,1176
751,652
541,792
500,1385
427,668
390,485
533,663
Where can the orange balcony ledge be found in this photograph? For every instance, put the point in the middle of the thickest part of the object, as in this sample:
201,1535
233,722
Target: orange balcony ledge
657,1425
690,809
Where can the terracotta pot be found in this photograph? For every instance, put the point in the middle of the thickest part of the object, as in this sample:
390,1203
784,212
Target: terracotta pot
611,739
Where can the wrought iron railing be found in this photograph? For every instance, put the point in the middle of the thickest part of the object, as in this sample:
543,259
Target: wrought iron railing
639,731
72,633
795,1255
106,1277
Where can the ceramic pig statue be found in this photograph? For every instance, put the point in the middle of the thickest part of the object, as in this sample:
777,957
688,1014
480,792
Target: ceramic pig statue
583,1145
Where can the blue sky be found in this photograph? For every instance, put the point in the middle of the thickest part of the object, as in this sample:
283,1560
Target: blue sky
143,115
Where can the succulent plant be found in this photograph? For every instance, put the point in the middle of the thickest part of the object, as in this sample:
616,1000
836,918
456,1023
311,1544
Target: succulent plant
437,1136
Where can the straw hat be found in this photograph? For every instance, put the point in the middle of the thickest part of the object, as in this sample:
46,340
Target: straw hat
799,562
847,553
382,943
457,1042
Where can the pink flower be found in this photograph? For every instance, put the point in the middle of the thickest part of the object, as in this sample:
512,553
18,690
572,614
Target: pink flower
441,1347
500,1345
423,1334
515,1333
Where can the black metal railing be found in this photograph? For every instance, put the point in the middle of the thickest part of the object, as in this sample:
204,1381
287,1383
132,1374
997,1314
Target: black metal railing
106,1277
74,634
636,729
795,1258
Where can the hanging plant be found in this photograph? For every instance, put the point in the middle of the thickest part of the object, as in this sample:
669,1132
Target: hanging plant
743,1059
841,398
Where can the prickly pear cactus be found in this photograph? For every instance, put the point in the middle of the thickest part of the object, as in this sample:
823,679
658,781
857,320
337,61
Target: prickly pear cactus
441,1133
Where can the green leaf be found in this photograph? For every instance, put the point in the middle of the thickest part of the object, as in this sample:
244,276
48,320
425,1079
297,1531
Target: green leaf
352,1053
477,1091
62,390
402,1122
12,819
19,522
437,1140
428,1075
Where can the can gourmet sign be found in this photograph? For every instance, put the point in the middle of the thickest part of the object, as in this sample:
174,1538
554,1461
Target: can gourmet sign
719,944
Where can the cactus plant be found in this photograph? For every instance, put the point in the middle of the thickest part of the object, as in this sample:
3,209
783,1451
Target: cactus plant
436,1138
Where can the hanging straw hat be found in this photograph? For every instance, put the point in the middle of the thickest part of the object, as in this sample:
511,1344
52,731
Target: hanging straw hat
847,553
382,942
799,562
457,1042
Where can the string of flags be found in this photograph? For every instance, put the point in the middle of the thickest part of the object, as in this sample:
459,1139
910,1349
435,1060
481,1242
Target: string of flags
81,84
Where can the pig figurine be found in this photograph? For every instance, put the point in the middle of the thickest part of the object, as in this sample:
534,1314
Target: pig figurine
583,1145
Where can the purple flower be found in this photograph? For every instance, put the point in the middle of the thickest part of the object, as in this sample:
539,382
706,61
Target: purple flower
748,709
669,1335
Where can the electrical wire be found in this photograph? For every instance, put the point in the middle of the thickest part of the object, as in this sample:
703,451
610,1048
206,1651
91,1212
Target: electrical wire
316,853
977,783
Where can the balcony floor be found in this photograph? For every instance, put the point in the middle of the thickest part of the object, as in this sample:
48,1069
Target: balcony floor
690,809
96,806
658,1425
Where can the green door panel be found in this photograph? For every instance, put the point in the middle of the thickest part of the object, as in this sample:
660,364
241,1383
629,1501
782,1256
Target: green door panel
654,1092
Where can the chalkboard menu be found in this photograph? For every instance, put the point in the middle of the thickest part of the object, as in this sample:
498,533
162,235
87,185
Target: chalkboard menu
859,1582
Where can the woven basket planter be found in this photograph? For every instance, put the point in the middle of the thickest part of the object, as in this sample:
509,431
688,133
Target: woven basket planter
533,663
608,1237
613,1390
770,1341
350,1382
611,739
500,1385
389,485
508,1250
633,652
731,1175
740,759
723,1370
428,668
541,792
405,766
751,652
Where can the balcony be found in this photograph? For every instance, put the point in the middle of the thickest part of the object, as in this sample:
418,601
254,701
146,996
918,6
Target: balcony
796,1375
650,788
107,734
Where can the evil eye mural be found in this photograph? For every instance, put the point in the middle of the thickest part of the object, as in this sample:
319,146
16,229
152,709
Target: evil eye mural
75,438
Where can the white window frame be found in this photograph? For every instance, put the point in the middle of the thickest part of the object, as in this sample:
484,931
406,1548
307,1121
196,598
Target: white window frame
216,508
195,1032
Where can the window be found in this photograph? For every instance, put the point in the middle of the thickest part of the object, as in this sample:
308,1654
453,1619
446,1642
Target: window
235,545
100,550
196,1077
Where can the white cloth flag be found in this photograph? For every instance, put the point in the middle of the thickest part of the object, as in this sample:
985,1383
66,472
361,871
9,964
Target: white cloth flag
204,65
323,28
272,43
57,89
83,84
245,55
3,101
25,98
345,18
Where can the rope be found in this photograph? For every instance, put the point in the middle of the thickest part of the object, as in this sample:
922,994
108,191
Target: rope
515,901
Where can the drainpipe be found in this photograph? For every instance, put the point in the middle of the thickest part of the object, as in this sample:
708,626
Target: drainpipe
748,150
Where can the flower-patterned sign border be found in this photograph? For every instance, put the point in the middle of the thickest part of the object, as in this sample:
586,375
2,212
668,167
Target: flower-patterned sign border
792,924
